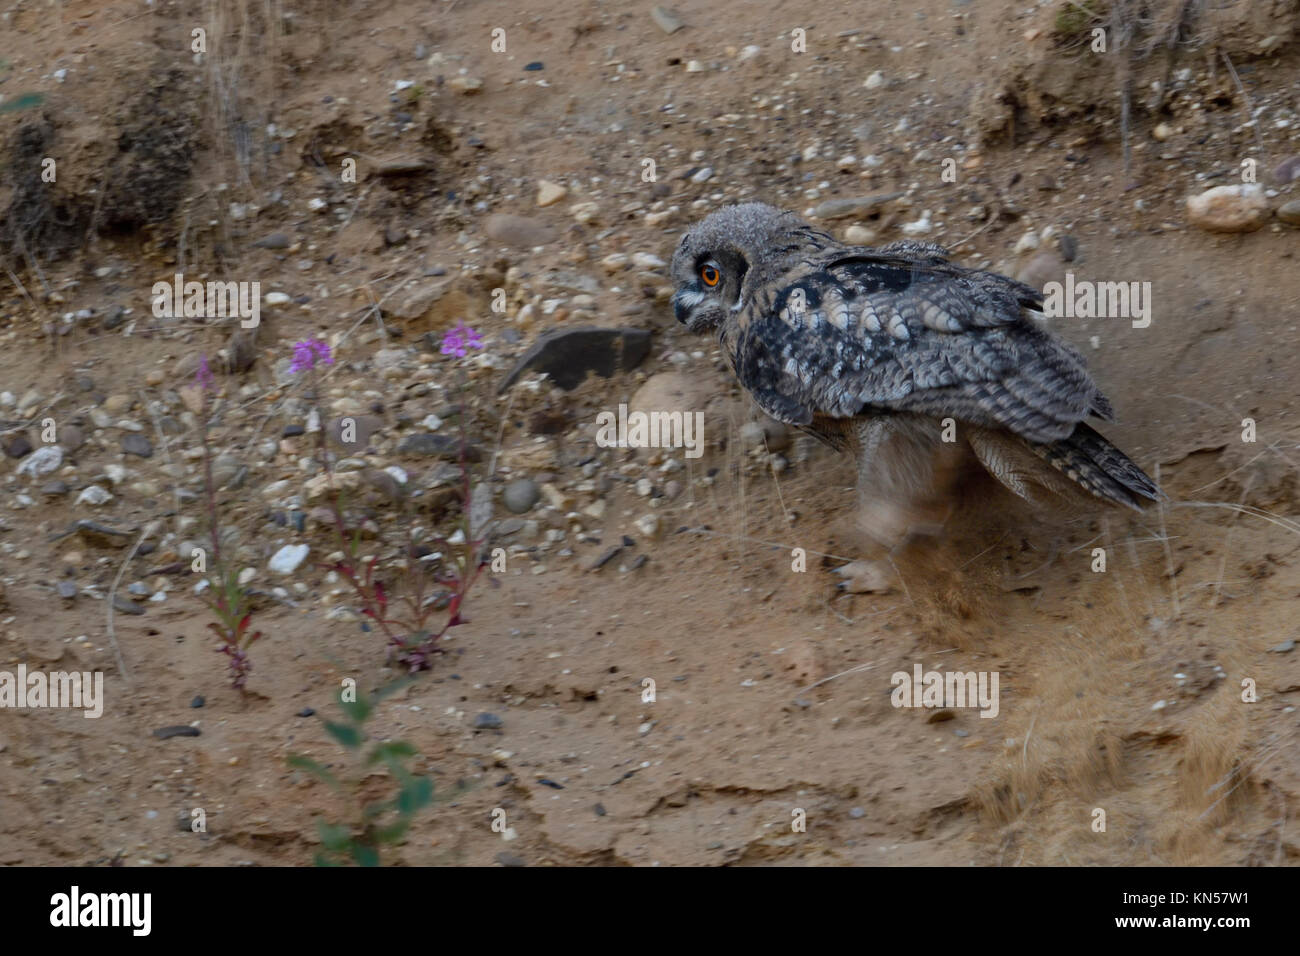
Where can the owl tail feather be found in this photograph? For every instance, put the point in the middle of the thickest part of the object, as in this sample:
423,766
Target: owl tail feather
1096,465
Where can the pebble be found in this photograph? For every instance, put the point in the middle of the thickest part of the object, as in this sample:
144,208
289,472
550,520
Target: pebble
875,81
521,495
666,20
178,730
43,461
487,721
1290,212
287,559
549,193
198,701
274,240
133,443
307,712
17,446
66,589
467,85
1239,208
93,495
844,208
648,525
519,231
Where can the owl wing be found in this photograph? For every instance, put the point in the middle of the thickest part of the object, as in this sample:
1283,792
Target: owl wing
902,329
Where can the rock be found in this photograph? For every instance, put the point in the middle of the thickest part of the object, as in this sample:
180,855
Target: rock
306,712
1290,212
1043,268
1286,647
1162,132
1239,208
1287,171
769,434
100,534
55,489
197,701
134,443
518,231
17,446
275,240
513,859
352,433
437,446
93,495
549,193
648,525
843,208
857,235
666,20
467,85
568,355
521,495
117,404
66,589
125,605
875,81
287,559
71,437
43,461
486,721
178,730
585,212
277,298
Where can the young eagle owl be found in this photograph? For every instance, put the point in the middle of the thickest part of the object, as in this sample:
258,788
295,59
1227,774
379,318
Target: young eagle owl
870,350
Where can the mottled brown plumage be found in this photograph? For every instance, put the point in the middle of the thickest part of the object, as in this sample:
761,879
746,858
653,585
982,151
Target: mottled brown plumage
872,349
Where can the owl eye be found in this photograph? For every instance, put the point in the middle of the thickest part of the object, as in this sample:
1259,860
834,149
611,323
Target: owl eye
710,275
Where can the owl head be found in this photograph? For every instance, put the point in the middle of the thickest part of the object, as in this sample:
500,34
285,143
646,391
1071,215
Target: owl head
714,257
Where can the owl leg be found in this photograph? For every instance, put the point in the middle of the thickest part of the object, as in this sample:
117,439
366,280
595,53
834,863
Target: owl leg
905,474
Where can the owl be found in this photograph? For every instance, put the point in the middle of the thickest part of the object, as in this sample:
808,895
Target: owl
917,366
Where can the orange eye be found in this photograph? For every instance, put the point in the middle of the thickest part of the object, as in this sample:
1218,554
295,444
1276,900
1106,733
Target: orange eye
710,276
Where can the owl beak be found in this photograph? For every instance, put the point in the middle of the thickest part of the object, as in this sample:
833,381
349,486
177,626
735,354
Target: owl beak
681,309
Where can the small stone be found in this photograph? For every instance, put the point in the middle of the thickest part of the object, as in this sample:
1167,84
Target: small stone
648,525
306,712
1287,171
274,240
56,488
1162,132
875,81
857,235
510,859
17,446
438,446
467,85
1289,212
93,495
66,589
844,208
666,20
1239,208
287,559
1286,647
101,535
521,495
43,461
134,443
518,231
585,212
179,730
198,701
124,604
486,721
549,193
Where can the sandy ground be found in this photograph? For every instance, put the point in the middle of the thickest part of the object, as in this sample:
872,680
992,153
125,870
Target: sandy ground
1120,691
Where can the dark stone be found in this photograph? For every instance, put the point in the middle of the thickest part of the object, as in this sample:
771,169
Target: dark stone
276,240
510,859
293,431
486,721
567,355
17,446
307,712
180,730
134,443
100,534
198,701
55,488
67,589
534,67
124,604
437,446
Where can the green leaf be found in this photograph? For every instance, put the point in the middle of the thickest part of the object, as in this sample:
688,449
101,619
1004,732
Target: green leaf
22,101
365,855
390,751
357,710
414,795
312,767
393,832
345,734
334,836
